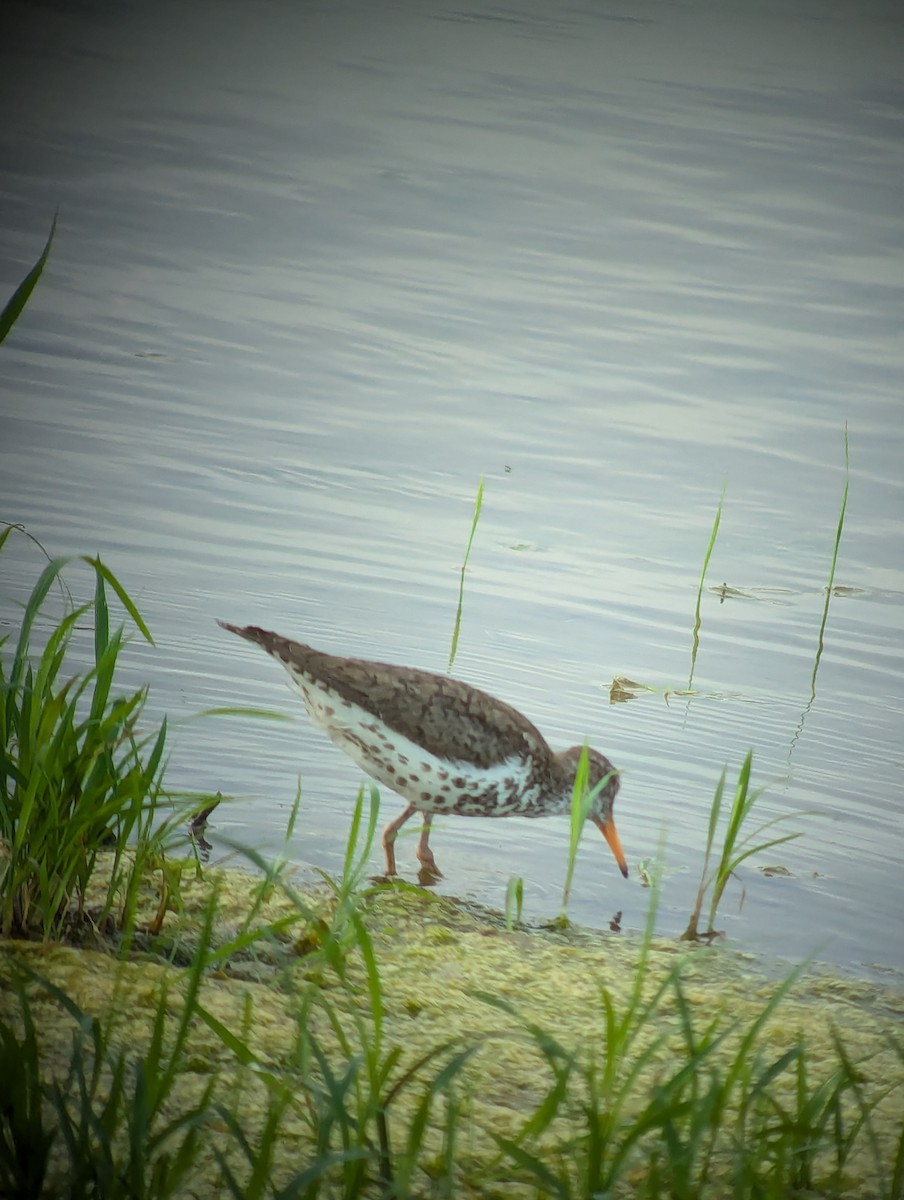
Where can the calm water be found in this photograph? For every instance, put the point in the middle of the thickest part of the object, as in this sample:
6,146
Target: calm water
320,267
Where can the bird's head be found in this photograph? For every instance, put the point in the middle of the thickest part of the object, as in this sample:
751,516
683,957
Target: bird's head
602,783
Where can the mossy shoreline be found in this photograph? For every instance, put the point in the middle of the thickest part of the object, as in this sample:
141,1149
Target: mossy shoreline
438,962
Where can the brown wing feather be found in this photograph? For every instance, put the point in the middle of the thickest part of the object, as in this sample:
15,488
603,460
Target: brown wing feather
459,721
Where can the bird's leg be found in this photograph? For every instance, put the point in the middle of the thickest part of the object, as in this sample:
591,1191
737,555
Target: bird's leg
429,871
390,833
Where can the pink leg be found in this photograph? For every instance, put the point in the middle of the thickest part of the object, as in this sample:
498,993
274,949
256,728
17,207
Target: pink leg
424,853
390,833
429,871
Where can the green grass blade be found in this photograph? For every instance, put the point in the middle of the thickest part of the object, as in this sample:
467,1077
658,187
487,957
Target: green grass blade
226,1036
32,608
101,618
690,934
478,504
124,597
550,1184
581,800
13,307
820,641
709,553
373,979
262,714
514,901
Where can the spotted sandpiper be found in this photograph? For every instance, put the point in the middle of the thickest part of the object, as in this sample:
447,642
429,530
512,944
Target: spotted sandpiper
442,745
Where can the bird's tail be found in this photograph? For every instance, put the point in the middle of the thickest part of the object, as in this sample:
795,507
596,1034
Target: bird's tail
251,633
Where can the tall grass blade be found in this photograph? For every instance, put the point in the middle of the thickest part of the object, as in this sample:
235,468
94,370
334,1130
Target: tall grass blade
75,778
514,902
104,573
580,807
32,608
26,1141
478,504
101,618
697,615
582,799
13,307
829,586
691,933
261,714
733,851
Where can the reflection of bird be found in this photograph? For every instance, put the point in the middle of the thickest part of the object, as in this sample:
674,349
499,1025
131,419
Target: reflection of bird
444,746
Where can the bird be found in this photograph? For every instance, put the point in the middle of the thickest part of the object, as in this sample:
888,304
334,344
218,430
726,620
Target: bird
439,743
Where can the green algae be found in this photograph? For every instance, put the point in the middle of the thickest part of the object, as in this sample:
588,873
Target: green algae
439,961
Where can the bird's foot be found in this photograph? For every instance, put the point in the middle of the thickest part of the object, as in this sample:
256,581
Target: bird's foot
429,872
428,875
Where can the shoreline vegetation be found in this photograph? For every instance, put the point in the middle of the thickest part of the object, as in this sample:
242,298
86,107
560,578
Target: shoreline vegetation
174,1029
384,1041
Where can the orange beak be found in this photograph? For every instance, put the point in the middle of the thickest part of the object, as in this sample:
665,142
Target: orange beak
607,829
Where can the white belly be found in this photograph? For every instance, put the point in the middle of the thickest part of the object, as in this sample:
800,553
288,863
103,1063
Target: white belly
430,783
